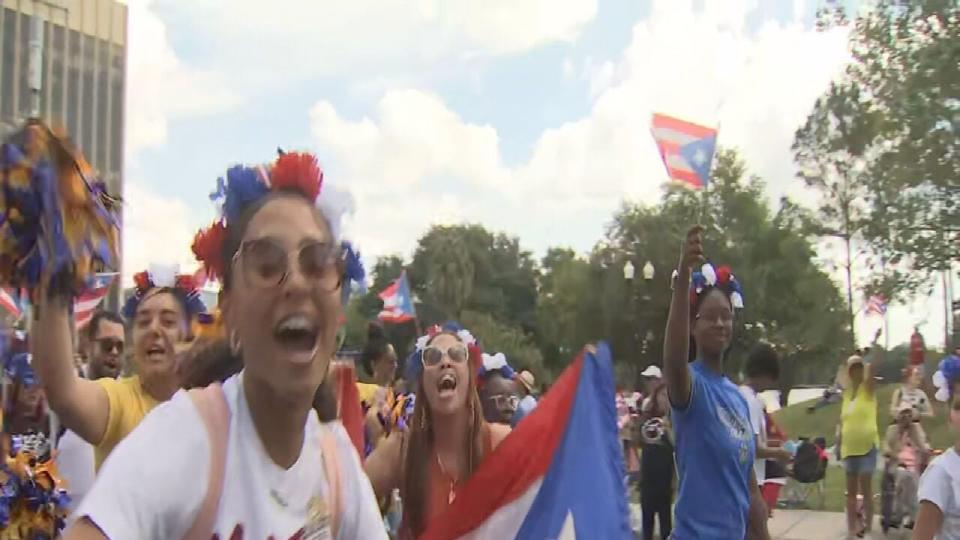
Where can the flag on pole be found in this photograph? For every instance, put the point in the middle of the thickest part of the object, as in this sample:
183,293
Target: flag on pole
876,305
8,301
685,148
89,300
559,474
397,301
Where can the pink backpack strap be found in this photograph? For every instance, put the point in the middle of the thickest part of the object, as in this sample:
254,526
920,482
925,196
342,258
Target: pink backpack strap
331,466
211,403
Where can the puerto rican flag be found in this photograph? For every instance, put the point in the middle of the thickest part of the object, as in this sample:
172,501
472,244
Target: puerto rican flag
89,300
397,301
686,149
558,475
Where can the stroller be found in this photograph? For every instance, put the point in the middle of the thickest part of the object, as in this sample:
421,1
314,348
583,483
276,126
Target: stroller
807,474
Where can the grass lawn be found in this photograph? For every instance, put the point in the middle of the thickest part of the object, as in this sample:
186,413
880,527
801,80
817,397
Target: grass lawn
797,422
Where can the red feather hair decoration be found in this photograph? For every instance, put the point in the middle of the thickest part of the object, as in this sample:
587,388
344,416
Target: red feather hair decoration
293,171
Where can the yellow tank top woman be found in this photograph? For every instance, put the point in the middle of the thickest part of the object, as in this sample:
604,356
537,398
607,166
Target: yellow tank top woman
859,420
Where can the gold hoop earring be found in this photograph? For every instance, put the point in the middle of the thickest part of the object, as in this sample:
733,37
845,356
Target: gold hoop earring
235,344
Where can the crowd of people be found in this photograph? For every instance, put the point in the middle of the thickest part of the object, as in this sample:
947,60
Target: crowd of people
174,422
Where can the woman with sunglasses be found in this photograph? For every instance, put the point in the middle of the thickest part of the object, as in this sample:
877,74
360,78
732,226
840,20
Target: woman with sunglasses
250,458
715,445
447,438
104,411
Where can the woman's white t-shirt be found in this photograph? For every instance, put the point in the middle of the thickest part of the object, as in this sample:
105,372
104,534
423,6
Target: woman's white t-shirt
153,483
940,485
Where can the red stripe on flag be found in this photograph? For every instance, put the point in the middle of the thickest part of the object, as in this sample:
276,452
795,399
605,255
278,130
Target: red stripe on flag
669,122
8,303
519,461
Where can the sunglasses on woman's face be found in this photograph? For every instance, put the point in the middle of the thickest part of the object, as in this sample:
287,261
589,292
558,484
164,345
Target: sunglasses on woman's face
433,355
265,263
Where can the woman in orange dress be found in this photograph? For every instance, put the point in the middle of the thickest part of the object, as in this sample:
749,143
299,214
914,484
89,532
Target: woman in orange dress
447,438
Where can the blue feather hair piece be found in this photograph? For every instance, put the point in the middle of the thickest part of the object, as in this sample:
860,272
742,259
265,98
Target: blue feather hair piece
242,187
354,272
56,218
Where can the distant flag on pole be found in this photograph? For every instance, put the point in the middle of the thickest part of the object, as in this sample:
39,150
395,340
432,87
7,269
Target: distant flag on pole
685,148
876,305
397,302
89,300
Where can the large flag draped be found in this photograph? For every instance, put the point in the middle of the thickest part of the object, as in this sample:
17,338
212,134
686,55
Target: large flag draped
558,475
686,149
397,301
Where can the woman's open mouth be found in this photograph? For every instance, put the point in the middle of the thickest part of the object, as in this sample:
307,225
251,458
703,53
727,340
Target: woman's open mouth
298,334
447,385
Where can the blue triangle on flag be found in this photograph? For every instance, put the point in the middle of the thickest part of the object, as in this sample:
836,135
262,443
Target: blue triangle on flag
699,154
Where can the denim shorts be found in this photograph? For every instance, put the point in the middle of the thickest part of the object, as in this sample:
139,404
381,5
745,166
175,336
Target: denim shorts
860,465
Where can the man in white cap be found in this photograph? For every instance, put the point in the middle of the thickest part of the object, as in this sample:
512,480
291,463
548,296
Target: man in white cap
528,402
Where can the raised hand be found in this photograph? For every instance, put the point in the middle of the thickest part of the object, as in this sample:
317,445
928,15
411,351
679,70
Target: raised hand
691,253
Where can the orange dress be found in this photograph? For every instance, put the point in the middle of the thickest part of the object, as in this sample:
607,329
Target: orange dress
442,490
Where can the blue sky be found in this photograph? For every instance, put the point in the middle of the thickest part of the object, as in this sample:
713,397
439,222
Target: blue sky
529,117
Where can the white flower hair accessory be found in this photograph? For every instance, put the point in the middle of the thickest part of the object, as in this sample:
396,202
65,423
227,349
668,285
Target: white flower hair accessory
948,372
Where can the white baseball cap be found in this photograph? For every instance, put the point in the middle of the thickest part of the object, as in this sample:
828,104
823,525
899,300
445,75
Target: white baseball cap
652,371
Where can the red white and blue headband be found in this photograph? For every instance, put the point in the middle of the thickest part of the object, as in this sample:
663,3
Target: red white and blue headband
165,278
243,186
721,278
414,366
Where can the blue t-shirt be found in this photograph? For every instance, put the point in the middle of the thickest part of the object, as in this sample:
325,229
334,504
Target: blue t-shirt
715,451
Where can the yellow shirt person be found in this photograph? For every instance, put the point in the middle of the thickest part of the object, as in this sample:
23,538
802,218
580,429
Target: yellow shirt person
128,405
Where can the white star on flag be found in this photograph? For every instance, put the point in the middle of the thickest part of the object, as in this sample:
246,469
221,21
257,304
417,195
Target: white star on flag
700,157
568,532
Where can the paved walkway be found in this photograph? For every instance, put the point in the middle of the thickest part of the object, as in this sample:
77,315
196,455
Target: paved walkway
810,525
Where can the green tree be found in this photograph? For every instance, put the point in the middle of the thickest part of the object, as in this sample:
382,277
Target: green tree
516,345
790,301
888,127
564,321
830,153
466,267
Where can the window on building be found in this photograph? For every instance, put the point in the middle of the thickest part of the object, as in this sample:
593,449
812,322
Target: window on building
87,111
73,85
7,76
26,95
57,54
103,88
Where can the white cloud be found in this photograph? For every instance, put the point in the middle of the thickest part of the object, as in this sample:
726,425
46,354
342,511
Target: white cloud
159,86
156,230
303,39
679,61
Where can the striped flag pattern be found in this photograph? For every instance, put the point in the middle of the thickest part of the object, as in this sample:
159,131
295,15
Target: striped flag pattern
686,149
87,303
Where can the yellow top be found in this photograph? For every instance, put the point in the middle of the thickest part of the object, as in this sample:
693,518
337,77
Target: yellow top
128,403
372,394
859,417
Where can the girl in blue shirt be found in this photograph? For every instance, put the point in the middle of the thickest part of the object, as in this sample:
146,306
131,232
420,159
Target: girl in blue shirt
718,497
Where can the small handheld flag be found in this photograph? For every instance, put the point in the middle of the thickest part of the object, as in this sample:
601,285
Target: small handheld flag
686,149
397,302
